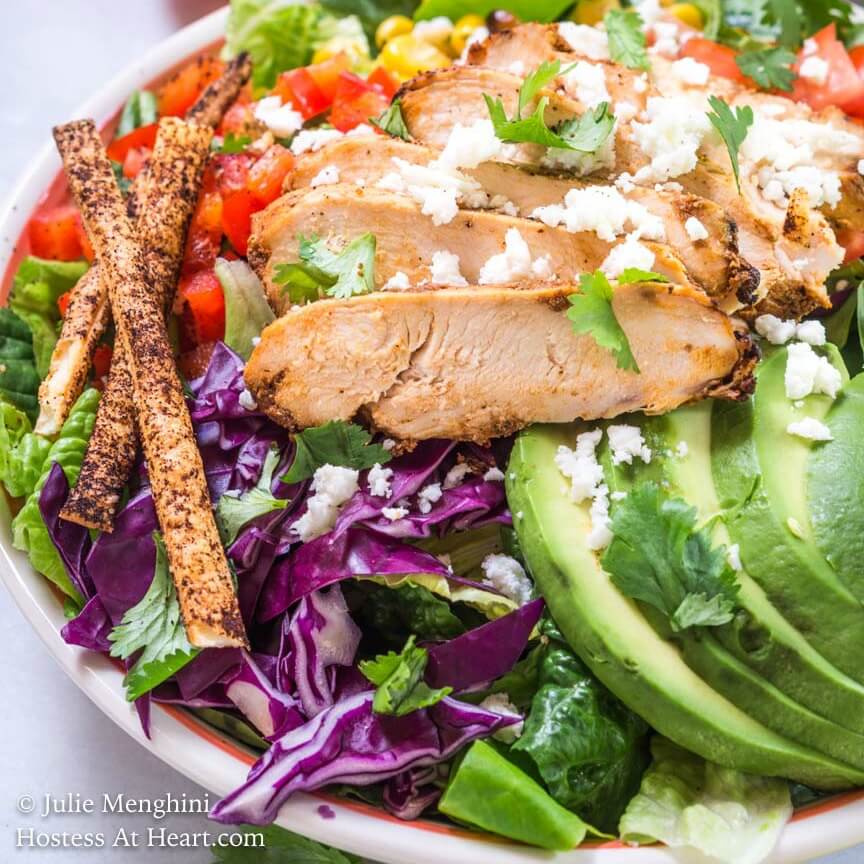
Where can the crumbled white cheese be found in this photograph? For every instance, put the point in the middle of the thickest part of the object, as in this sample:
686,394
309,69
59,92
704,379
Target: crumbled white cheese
394,514
667,38
811,332
603,210
810,428
690,71
630,253
428,496
640,83
256,341
586,82
590,42
670,137
682,450
379,481
733,557
506,574
281,120
247,400
397,282
542,267
600,535
513,263
445,270
499,703
332,486
625,111
695,229
456,475
517,67
326,176
388,444
468,146
311,140
774,329
581,164
807,372
494,475
626,442
814,69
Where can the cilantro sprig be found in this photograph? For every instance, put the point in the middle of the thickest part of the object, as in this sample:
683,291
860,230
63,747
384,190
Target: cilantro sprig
591,312
322,272
399,681
769,67
658,556
585,133
154,627
334,443
392,122
626,31
733,128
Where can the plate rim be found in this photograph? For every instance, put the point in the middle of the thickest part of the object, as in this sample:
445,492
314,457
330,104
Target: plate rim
203,755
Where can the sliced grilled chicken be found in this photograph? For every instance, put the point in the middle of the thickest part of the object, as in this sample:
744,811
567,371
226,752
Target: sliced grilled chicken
474,363
712,263
407,240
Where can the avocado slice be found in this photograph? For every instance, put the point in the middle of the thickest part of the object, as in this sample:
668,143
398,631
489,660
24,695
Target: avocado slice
758,660
835,488
760,475
614,639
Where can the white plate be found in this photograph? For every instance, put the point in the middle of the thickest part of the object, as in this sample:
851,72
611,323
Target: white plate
214,761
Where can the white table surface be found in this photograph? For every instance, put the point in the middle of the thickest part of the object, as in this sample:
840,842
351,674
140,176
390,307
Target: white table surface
55,53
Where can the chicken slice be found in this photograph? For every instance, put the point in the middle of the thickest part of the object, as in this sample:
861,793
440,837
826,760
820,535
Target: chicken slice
479,362
713,263
407,240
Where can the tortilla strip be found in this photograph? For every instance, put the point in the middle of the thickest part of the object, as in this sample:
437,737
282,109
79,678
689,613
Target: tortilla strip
197,560
89,313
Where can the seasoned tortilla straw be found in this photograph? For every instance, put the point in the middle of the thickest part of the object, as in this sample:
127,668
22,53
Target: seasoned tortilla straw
89,312
181,498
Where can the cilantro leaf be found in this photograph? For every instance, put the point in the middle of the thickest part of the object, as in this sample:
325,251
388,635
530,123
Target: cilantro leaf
591,312
589,130
392,122
634,274
657,556
768,67
399,679
231,143
324,272
334,443
732,127
280,847
626,32
534,82
153,626
234,510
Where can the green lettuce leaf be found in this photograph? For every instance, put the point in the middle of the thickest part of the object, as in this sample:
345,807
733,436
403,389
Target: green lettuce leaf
19,380
37,286
399,681
140,110
247,311
686,801
28,530
280,847
589,748
234,510
22,452
659,557
524,10
334,443
154,627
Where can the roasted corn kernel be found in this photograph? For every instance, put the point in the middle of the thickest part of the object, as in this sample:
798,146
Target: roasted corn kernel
390,28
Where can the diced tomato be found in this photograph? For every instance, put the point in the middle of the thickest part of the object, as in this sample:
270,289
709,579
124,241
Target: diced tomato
205,234
237,209
237,119
852,241
194,363
203,307
177,95
326,74
355,102
380,79
83,239
843,86
298,87
63,303
720,59
57,234
231,171
855,107
268,174
143,136
134,161
102,361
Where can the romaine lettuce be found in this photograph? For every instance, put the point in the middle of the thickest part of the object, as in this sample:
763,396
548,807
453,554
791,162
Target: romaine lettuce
247,311
19,380
22,452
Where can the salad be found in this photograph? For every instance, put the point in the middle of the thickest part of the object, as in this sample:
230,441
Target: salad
459,405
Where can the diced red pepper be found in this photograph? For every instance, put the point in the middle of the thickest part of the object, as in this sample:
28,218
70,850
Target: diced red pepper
135,161
380,79
268,174
178,94
237,209
326,74
205,234
232,171
57,234
63,303
720,59
356,101
143,136
102,361
852,241
203,307
298,87
194,363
